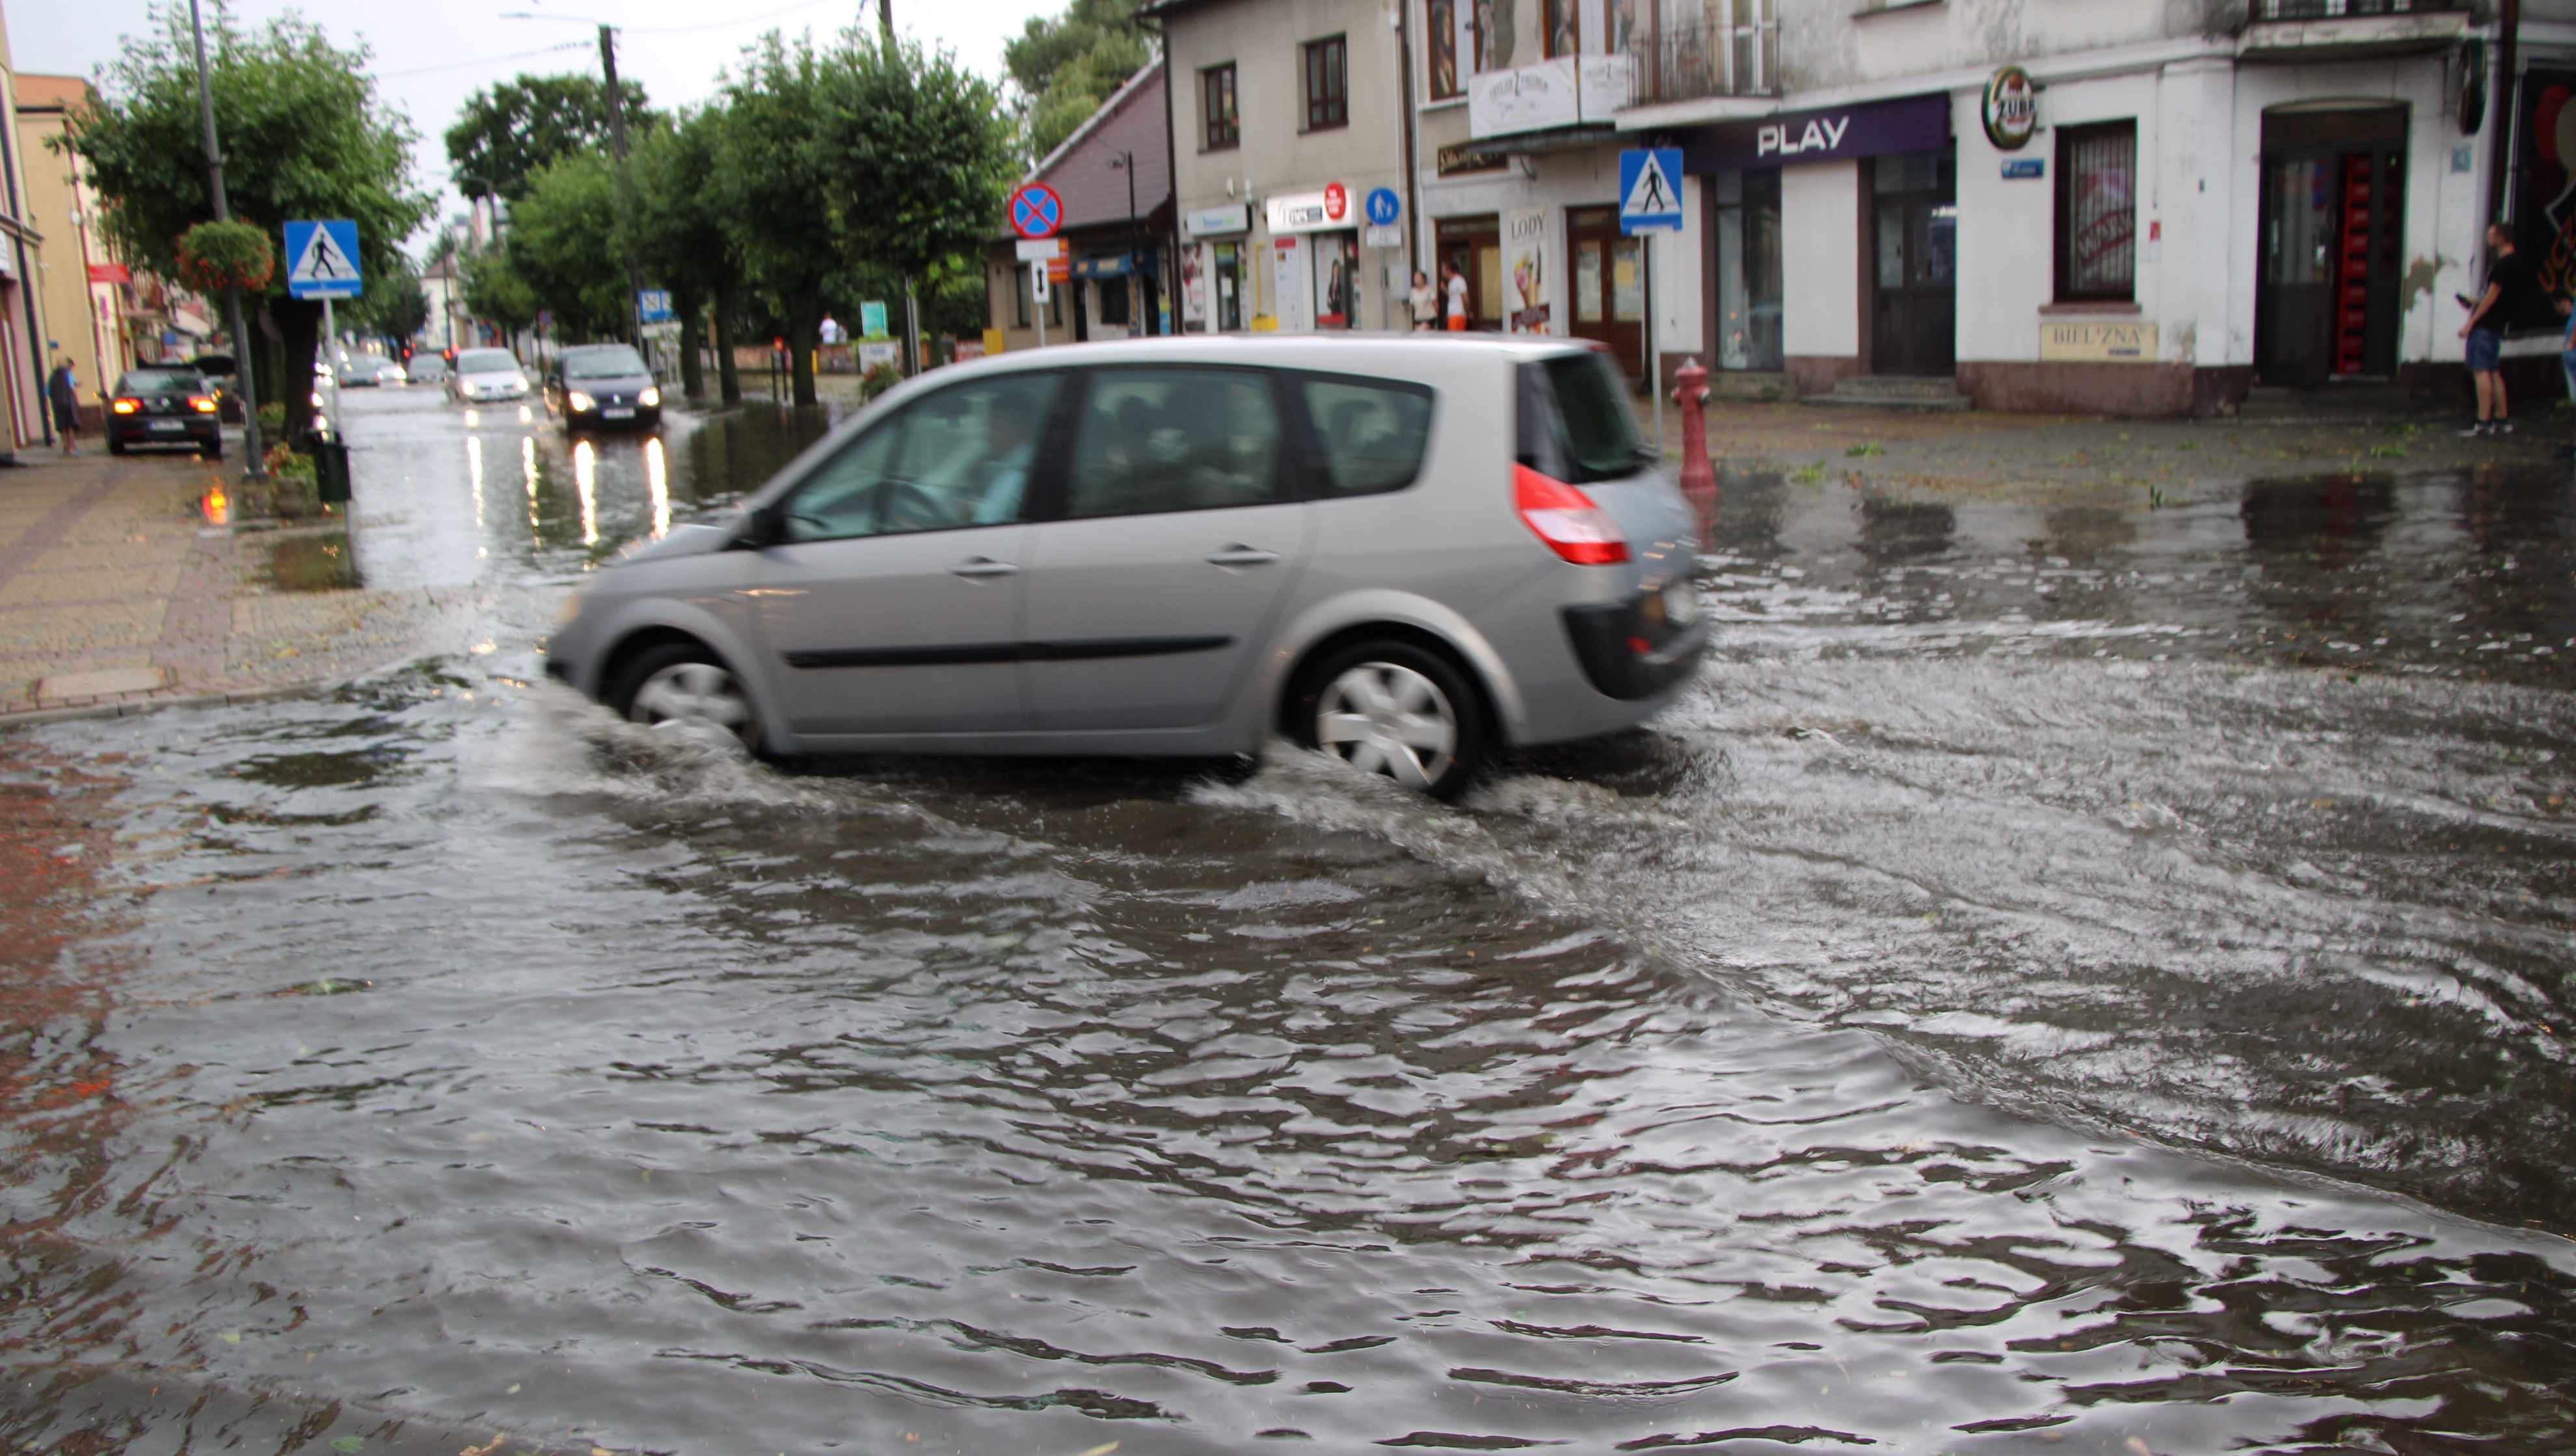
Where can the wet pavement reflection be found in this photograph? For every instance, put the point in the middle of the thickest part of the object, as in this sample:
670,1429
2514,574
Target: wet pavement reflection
1928,1037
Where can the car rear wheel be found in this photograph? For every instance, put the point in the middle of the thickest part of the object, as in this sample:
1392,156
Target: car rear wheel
115,446
685,688
212,452
1398,709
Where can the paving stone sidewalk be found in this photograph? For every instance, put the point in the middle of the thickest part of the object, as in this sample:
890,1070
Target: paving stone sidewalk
115,592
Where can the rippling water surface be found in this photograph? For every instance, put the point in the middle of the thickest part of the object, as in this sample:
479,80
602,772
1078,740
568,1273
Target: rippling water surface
1927,1043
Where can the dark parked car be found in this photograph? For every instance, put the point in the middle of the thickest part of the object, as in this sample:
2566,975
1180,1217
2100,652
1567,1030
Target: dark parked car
172,406
602,385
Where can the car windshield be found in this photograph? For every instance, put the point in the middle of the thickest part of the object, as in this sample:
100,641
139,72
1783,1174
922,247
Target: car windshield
160,381
487,361
618,363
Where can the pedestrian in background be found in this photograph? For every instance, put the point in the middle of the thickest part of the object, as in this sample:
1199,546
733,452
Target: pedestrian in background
1457,298
1424,301
62,390
2567,364
2509,298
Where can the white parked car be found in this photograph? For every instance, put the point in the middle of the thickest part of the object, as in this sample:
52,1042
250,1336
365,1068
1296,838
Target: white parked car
483,375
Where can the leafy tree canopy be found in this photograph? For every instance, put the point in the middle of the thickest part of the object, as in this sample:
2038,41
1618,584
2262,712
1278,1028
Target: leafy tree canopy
395,307
304,136
495,292
563,242
1064,66
510,130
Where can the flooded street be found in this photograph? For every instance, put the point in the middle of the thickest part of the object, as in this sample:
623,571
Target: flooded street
2075,975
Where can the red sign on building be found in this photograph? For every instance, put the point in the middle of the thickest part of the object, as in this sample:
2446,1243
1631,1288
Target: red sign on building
110,273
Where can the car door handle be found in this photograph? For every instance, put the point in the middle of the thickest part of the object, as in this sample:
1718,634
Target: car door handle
1239,555
983,566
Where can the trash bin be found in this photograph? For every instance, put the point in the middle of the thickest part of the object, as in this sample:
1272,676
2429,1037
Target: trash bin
331,469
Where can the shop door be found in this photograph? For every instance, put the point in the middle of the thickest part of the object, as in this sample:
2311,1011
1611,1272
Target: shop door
2326,300
1337,279
1229,286
1915,207
1609,285
1473,246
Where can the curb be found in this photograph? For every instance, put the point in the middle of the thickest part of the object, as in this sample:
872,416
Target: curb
137,708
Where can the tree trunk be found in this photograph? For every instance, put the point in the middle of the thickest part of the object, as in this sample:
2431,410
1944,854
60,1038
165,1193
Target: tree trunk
728,378
299,325
693,327
804,336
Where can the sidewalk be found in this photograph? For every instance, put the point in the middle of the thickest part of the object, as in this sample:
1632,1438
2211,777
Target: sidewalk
114,592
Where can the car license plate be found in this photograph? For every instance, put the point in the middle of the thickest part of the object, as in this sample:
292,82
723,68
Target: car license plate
617,412
1681,603
161,425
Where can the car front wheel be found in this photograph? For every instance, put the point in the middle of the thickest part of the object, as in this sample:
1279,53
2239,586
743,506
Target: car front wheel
683,687
1398,709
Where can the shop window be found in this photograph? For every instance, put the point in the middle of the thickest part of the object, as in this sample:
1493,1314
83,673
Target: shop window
2097,213
1328,101
1444,27
1113,301
1564,29
1020,298
1219,127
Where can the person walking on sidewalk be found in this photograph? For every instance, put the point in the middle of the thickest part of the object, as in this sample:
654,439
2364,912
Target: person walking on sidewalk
2509,298
62,390
1457,291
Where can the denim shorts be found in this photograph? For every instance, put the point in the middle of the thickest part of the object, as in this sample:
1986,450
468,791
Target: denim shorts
2486,347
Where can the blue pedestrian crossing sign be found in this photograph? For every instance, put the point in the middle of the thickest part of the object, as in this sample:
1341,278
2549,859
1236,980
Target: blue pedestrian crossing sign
322,259
1650,190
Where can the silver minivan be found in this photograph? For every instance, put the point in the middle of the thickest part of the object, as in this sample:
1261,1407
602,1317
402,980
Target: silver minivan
1410,552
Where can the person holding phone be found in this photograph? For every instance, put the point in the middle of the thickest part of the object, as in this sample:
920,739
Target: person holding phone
2509,296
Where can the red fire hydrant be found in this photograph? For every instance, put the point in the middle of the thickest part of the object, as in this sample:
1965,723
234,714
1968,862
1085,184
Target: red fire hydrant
1698,482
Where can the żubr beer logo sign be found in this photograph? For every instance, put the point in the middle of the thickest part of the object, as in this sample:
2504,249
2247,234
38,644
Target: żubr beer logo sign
2011,109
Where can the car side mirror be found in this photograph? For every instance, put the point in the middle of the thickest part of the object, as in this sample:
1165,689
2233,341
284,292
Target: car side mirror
763,526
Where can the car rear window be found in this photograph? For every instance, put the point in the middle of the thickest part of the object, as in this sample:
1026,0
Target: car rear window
1369,433
486,361
1577,422
160,381
617,363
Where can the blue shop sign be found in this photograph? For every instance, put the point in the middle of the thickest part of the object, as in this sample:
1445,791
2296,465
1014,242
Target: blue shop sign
1830,134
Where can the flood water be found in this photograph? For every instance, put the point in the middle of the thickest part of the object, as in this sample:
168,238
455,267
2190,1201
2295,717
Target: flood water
2021,1000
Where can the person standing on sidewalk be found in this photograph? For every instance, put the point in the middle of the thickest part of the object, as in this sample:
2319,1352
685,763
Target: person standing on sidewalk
2509,298
62,390
1425,302
1457,298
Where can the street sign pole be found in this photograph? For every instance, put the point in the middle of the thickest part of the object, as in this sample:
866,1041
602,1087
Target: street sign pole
331,342
257,463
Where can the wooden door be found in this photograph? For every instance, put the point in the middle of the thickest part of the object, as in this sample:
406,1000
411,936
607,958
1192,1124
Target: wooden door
1474,246
1607,276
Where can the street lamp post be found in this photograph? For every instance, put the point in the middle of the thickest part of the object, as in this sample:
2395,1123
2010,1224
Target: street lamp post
1126,162
257,463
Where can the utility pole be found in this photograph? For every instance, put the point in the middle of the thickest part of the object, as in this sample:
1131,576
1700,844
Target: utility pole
257,463
625,186
911,354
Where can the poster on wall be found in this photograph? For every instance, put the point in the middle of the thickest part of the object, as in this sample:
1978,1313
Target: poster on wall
2545,213
1193,287
1288,285
1525,261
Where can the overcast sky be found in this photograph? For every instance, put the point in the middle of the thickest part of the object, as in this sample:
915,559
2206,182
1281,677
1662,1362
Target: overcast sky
430,54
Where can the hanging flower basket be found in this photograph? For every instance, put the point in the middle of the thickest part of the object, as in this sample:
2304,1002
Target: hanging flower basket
214,256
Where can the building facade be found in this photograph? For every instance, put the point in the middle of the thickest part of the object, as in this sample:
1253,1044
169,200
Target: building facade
2118,206
1116,278
87,290
23,360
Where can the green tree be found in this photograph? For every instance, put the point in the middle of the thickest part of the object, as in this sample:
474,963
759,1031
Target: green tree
496,293
682,241
779,188
1064,66
508,131
563,242
304,136
395,307
924,148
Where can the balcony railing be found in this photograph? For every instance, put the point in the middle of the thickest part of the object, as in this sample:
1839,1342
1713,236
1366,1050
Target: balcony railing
2351,9
1734,51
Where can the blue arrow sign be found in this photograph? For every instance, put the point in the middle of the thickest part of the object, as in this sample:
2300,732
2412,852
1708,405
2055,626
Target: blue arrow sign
322,259
1650,190
1382,206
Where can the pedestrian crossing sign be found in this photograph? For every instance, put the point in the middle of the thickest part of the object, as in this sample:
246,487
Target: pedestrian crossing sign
1650,190
322,259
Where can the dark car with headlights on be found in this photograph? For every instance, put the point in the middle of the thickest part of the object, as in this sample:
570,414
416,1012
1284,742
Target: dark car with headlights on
600,386
174,406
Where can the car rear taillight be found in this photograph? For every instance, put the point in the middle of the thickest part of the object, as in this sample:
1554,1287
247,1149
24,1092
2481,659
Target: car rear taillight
126,406
1567,520
201,404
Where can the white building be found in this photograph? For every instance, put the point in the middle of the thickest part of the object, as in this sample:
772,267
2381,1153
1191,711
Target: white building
2126,206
